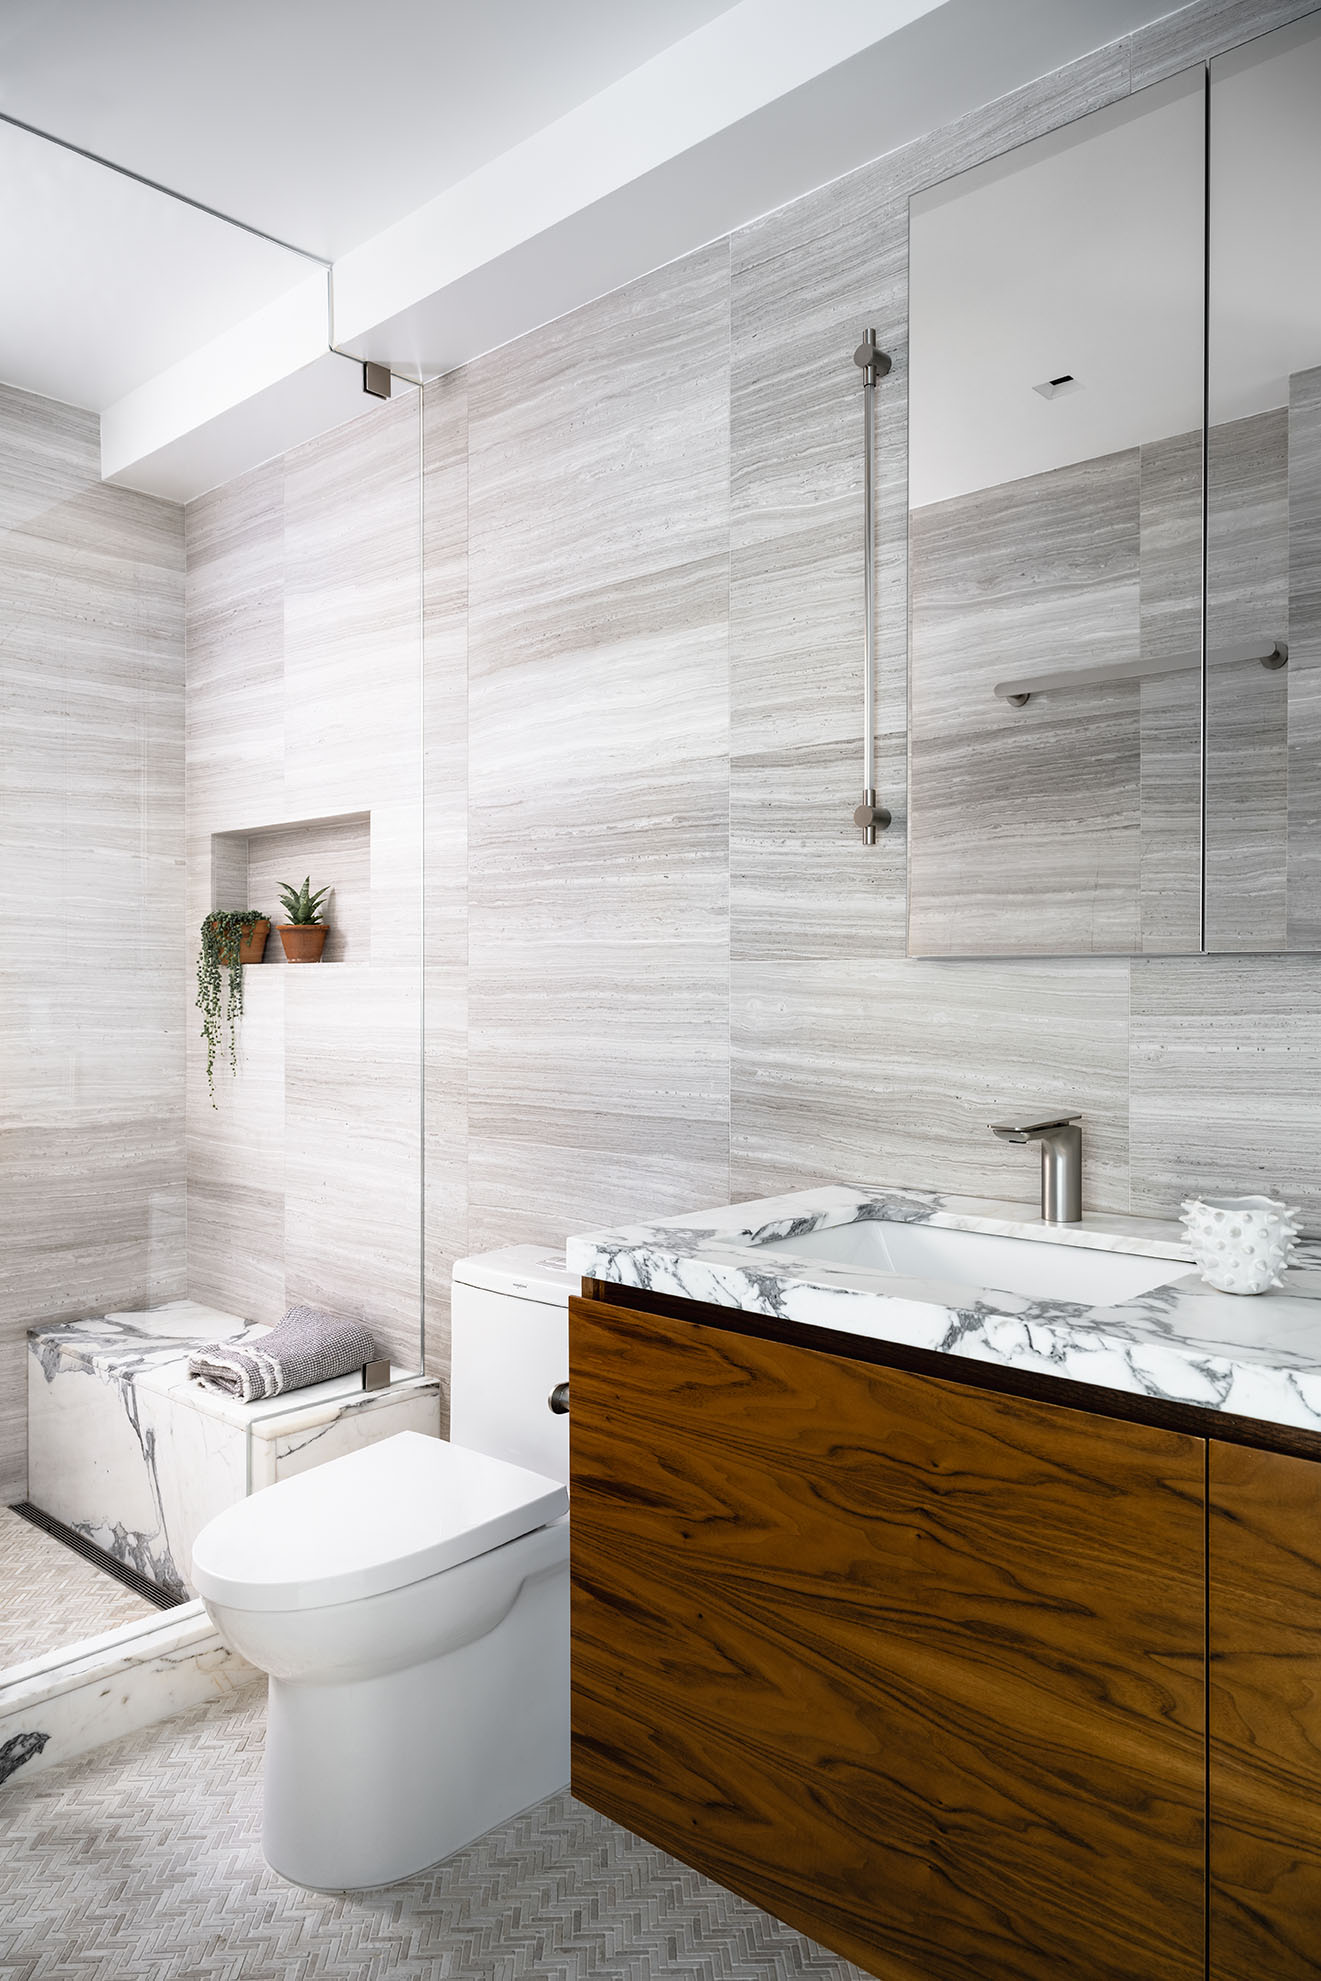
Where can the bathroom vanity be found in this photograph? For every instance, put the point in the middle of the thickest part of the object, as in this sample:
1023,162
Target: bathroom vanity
973,1632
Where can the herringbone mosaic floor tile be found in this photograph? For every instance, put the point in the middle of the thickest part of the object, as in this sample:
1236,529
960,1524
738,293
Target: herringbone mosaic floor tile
142,1863
49,1596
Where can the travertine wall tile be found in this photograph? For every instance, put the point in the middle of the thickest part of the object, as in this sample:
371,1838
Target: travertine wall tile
445,1151
598,861
236,1159
1225,1075
305,687
640,711
1170,718
352,1153
91,891
802,884
634,565
537,1174
1195,34
1304,671
235,648
868,1073
1247,706
236,1246
445,849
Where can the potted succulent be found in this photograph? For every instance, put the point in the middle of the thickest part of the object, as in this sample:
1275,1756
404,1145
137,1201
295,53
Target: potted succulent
304,934
231,937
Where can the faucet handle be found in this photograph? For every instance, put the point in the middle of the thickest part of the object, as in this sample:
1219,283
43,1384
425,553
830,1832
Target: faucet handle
1028,1124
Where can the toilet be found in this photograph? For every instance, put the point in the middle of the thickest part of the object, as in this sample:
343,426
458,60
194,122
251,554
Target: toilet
410,1603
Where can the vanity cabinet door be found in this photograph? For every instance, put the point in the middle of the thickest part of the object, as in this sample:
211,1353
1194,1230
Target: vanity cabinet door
916,1667
1265,1715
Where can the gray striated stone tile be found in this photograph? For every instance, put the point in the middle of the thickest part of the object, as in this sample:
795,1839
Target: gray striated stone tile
1225,1073
874,1072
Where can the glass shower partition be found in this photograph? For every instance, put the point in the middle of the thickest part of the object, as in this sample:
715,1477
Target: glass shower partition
202,700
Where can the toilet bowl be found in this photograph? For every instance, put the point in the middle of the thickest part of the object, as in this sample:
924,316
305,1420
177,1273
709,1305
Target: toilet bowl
410,1603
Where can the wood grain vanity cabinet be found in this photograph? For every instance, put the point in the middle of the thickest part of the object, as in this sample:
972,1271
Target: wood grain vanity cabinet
1264,1634
915,1666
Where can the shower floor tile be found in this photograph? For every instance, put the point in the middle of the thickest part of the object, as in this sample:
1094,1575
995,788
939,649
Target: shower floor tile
49,1596
143,1860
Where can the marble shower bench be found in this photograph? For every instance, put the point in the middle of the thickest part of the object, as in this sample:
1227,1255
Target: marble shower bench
126,1449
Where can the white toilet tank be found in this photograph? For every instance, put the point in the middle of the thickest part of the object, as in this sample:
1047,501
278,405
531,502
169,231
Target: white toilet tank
510,1351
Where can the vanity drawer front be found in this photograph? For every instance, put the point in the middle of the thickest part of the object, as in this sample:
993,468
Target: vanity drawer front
916,1667
1265,1715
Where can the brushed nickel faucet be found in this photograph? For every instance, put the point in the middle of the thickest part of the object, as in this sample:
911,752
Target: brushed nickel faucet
1061,1161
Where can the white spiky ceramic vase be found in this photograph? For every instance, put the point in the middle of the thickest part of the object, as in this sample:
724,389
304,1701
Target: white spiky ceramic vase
1241,1244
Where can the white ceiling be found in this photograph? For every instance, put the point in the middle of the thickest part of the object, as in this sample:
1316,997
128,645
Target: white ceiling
473,168
106,282
320,121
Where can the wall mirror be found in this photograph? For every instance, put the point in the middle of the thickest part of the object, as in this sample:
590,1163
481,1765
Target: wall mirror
1263,725
1115,742
1055,498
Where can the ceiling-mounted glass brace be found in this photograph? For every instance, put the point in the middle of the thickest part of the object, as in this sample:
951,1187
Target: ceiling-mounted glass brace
874,364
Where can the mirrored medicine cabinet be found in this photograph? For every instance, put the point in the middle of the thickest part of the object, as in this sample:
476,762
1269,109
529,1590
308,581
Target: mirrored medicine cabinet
1115,527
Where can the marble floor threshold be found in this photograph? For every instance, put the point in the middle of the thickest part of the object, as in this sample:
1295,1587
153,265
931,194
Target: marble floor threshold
51,1595
144,1859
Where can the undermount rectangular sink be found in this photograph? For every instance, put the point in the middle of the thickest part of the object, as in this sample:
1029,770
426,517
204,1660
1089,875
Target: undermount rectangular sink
1036,1269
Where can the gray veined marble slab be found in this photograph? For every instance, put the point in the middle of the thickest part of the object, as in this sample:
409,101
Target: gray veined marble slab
1180,1340
128,1450
80,1696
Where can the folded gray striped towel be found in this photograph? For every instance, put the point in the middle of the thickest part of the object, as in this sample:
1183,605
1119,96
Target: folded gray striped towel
307,1347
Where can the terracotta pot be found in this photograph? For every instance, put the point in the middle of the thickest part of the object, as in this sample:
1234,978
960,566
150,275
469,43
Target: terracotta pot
252,947
303,944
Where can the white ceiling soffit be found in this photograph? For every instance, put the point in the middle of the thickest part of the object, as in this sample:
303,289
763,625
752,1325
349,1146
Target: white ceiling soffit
107,283
319,121
748,111
763,104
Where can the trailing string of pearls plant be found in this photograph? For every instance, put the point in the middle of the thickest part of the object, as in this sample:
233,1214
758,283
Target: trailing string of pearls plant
230,937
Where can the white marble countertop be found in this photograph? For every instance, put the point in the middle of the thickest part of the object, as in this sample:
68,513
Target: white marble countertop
1255,1357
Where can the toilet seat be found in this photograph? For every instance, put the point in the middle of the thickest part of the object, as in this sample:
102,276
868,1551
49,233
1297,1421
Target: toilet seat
375,1520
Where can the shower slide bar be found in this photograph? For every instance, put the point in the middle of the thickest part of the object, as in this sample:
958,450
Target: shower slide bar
874,364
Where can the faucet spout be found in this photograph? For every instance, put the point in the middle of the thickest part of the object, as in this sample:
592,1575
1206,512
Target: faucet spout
1061,1161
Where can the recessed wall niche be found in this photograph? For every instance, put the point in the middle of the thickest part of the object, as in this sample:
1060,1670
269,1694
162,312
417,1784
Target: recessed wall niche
249,867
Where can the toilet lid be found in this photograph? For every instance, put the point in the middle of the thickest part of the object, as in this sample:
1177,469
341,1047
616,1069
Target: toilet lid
376,1519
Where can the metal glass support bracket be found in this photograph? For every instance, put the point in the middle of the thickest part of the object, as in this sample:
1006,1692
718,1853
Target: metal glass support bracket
874,364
